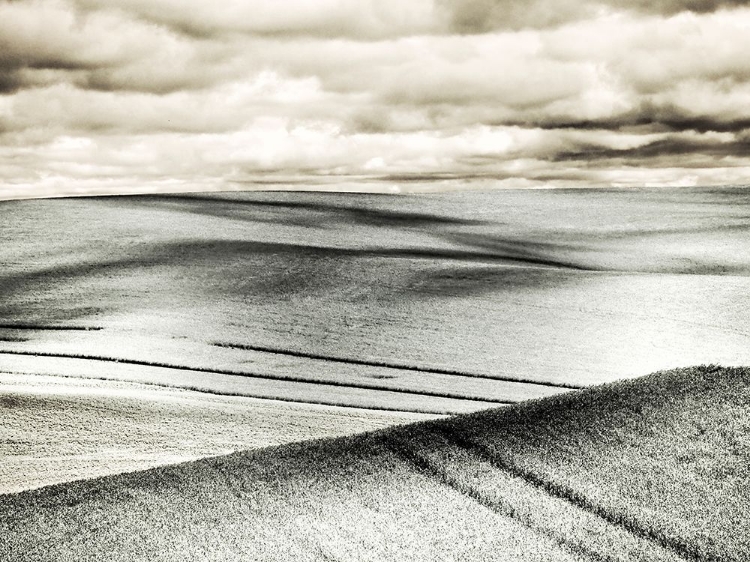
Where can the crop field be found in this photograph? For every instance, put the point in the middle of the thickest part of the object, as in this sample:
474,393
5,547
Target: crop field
649,469
398,307
440,292
58,429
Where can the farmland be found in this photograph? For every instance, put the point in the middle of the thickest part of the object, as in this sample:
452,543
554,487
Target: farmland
394,307
57,429
467,291
649,469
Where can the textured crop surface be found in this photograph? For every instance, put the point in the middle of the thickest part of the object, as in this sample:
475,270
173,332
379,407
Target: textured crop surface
395,307
55,429
649,469
438,303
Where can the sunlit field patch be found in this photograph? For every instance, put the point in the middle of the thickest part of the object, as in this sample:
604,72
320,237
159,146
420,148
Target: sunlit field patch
58,429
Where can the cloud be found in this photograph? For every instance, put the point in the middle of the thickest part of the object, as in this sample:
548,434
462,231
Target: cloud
692,147
398,94
380,19
48,42
365,19
482,16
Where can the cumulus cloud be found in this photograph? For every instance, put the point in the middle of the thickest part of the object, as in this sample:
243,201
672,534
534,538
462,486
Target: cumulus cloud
368,19
473,16
53,36
374,19
159,94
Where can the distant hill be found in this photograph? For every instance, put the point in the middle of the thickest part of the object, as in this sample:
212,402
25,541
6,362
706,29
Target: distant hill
650,469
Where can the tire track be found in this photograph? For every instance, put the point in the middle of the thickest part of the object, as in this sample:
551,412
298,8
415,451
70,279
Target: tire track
194,388
389,365
676,547
425,466
267,376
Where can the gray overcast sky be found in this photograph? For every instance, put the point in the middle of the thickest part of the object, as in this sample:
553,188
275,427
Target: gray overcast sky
176,95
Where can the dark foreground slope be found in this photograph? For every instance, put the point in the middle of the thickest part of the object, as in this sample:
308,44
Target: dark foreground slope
649,469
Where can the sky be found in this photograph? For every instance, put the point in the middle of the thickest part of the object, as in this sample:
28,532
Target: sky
119,96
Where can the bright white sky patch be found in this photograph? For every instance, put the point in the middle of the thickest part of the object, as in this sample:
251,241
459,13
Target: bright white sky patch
133,95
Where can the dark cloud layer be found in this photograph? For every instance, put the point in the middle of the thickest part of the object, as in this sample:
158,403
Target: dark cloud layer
657,152
647,118
480,16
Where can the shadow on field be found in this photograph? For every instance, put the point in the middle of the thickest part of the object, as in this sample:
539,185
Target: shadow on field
337,211
268,270
438,254
310,214
336,247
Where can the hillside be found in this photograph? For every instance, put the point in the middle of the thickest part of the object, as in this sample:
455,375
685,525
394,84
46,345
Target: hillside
649,469
59,429
448,303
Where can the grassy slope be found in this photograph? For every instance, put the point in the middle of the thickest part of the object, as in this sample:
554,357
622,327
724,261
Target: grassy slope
650,469
55,429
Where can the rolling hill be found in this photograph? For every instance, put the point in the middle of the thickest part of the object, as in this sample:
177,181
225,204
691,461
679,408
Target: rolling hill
447,303
654,468
57,429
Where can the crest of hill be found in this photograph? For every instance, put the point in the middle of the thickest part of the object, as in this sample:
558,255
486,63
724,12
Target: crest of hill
649,469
